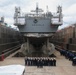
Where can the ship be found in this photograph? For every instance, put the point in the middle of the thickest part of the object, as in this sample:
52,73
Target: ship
37,27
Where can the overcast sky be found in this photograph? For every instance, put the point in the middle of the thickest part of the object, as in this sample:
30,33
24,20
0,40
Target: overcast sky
7,8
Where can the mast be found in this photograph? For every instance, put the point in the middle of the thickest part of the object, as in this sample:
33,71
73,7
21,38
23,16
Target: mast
37,10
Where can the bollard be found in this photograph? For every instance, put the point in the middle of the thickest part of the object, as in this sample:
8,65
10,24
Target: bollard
2,57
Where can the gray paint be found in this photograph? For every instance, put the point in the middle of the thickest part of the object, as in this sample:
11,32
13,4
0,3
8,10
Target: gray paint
43,25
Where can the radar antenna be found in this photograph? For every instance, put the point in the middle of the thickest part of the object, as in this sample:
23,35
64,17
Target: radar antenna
37,10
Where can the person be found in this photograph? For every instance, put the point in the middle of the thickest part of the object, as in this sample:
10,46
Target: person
28,61
35,61
74,61
44,61
61,52
31,61
25,61
50,60
38,64
54,62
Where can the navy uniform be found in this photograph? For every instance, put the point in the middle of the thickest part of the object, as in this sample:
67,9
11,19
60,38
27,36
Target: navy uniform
44,62
54,62
38,64
74,61
61,53
25,61
28,61
31,62
35,61
50,60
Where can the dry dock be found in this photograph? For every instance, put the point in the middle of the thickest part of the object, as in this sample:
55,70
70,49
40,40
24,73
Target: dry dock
64,66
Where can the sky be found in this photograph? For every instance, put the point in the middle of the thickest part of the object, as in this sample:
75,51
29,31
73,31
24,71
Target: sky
7,9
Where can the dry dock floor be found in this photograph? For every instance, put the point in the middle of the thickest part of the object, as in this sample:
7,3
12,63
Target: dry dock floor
64,66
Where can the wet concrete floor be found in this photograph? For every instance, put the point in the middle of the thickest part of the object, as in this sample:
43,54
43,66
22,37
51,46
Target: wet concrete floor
64,66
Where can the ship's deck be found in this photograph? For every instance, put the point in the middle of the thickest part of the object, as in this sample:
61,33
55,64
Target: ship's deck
64,66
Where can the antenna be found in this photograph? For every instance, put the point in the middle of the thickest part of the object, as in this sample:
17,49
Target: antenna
37,8
36,5
47,8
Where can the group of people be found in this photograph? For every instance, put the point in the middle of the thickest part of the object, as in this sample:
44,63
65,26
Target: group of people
69,55
40,61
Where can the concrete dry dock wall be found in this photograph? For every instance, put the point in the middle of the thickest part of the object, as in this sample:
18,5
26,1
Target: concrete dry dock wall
72,47
9,38
66,38
73,40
